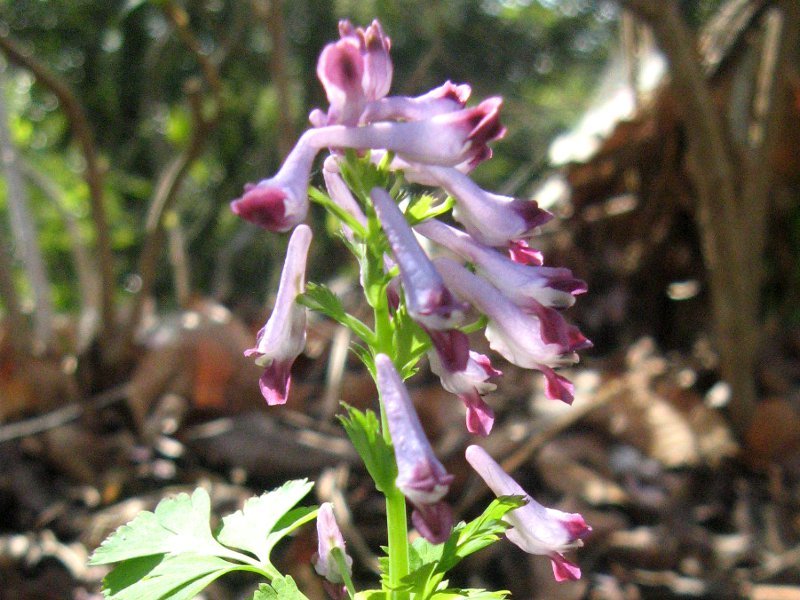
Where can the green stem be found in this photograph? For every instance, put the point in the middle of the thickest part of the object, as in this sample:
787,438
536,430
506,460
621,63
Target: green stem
341,563
397,526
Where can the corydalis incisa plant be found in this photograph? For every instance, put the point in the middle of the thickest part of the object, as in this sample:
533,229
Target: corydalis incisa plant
421,307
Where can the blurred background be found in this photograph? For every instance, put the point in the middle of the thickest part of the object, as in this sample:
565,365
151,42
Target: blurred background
664,138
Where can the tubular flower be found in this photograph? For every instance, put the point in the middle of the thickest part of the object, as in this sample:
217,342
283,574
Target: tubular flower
341,194
492,219
354,70
526,285
446,139
329,537
519,336
470,384
283,337
534,528
420,476
428,301
448,97
281,202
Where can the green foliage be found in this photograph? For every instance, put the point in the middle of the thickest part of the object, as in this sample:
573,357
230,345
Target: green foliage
266,519
430,563
282,588
320,298
172,552
363,430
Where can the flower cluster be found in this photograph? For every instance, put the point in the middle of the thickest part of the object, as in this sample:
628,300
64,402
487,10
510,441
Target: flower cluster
432,140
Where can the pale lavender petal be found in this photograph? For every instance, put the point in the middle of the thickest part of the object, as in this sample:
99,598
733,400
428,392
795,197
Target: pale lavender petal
378,67
469,384
557,387
446,98
341,194
492,219
448,139
512,332
283,337
420,476
281,202
434,522
520,252
534,528
452,347
340,69
428,300
329,537
276,381
523,284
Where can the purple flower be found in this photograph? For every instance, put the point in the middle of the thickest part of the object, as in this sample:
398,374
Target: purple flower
446,139
520,252
341,194
329,537
428,301
354,70
420,476
470,384
283,337
534,528
446,98
492,219
521,337
281,202
427,298
525,285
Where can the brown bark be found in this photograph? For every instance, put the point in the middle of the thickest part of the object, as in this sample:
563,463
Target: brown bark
732,191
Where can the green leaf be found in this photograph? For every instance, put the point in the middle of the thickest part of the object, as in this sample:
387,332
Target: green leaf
321,299
470,594
363,430
481,531
263,521
430,563
409,341
372,595
426,206
176,577
282,588
179,524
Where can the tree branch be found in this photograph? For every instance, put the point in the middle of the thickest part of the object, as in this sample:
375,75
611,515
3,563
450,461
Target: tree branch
721,213
82,132
173,176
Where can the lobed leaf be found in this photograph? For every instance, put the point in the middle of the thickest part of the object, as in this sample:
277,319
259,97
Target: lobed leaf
179,577
179,524
264,520
282,588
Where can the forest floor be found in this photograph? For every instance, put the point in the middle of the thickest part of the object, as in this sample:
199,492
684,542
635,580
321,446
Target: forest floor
679,507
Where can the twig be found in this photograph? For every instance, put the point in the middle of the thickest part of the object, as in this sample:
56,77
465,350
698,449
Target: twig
271,14
173,176
62,416
81,130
